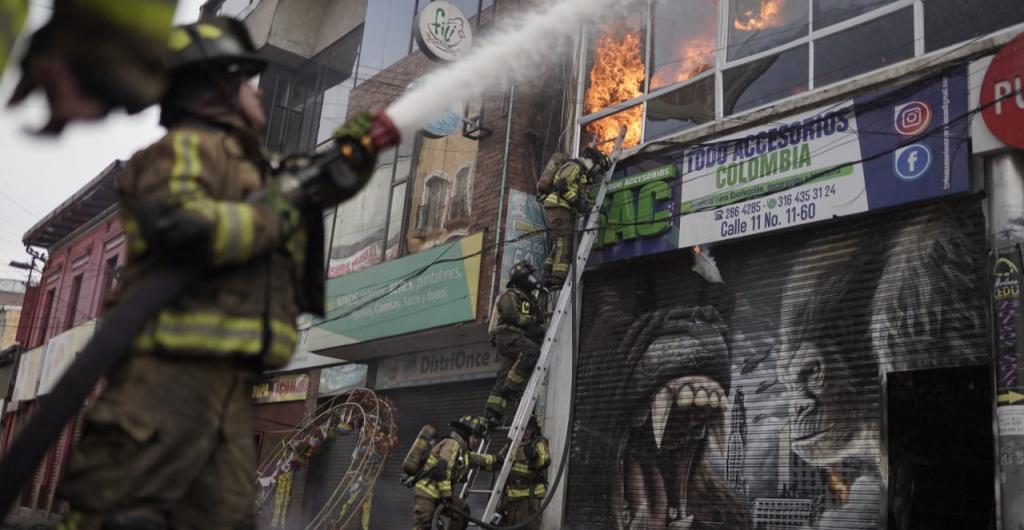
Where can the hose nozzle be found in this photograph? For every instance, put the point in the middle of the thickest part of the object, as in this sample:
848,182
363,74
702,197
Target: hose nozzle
384,134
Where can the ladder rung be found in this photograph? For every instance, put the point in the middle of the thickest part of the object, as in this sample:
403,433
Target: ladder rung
471,492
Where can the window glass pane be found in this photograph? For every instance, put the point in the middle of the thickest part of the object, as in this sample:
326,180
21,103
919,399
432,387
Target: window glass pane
683,42
679,110
615,65
387,35
765,80
759,25
237,8
948,22
603,132
359,227
336,66
396,222
867,47
828,12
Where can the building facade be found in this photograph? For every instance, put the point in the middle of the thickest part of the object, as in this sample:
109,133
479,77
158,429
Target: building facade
416,259
85,251
788,319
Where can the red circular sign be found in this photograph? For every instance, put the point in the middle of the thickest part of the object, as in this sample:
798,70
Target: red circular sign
1002,94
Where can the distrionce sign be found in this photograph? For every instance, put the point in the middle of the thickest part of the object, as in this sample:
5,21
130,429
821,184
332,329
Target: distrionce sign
443,32
1002,94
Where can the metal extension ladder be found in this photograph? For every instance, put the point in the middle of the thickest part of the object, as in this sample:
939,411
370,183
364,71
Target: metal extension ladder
560,315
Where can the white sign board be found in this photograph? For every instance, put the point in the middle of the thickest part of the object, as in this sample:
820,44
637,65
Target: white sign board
1011,420
443,32
60,351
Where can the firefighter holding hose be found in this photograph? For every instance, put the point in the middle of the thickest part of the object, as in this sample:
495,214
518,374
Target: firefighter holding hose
169,442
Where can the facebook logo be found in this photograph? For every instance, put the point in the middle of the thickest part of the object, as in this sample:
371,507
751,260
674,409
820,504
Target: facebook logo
912,161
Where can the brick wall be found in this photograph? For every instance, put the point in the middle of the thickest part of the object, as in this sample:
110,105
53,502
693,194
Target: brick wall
535,128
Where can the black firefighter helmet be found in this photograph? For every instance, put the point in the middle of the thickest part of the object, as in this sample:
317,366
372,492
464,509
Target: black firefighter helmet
471,425
522,275
216,43
600,160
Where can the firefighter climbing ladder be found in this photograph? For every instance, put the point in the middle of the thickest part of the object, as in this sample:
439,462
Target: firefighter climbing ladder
559,317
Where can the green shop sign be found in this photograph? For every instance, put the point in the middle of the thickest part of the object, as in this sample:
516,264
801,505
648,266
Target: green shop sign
639,213
428,289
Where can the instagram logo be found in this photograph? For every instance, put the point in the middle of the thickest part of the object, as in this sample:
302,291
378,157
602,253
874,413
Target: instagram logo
913,118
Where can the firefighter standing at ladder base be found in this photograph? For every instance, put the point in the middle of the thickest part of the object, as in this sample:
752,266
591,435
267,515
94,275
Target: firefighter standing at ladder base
447,466
517,329
565,193
169,442
527,481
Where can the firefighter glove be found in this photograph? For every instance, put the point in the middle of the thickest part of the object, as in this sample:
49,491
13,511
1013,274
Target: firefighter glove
290,215
534,332
530,450
353,140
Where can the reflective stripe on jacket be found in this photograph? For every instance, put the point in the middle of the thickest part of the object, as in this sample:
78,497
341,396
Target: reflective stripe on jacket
516,310
529,477
575,182
183,200
448,465
12,18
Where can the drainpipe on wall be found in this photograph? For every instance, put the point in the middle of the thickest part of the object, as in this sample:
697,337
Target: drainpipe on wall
500,224
1004,174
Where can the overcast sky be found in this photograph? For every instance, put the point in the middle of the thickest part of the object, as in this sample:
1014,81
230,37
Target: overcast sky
37,174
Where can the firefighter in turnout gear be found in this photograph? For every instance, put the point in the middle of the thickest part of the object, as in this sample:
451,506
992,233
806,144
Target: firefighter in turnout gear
448,466
565,193
93,56
527,481
169,442
517,329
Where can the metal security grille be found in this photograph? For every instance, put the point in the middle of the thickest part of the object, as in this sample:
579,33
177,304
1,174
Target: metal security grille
436,405
756,404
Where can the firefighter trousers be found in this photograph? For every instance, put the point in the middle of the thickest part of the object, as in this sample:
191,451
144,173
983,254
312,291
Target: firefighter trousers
423,513
168,444
519,356
561,223
519,510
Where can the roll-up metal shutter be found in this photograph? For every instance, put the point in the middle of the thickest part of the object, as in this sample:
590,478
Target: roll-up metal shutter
326,470
417,406
757,403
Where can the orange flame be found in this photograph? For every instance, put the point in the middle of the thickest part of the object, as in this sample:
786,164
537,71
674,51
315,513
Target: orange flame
617,76
696,56
767,17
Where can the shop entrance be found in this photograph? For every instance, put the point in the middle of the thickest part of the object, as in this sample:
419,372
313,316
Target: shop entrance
941,463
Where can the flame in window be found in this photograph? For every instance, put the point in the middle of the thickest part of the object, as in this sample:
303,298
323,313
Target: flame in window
696,56
617,76
768,16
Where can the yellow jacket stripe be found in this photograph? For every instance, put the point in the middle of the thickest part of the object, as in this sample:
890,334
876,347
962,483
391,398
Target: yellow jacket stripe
151,18
12,17
217,333
233,223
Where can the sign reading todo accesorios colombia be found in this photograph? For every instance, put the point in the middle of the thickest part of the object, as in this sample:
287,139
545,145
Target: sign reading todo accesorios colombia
881,149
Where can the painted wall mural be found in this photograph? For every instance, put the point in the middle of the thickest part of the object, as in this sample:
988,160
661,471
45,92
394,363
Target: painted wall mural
757,404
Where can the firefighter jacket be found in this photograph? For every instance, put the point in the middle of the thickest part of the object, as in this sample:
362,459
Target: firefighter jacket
183,202
448,465
528,476
116,47
570,187
516,311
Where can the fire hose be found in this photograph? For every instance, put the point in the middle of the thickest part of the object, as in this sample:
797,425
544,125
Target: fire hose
325,172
